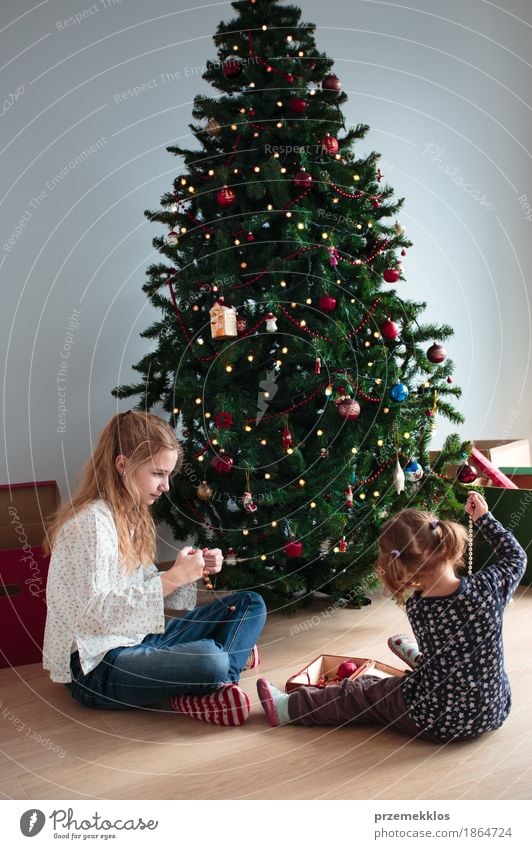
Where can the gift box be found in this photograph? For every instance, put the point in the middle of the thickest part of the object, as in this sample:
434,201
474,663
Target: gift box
323,671
24,509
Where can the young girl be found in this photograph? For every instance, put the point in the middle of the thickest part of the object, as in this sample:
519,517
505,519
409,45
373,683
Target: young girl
106,638
459,687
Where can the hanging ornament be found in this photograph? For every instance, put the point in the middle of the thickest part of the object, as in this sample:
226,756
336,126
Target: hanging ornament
224,420
232,67
348,496
247,502
399,229
250,237
223,464
379,175
389,329
436,353
403,252
293,548
204,492
399,392
298,105
413,471
332,83
172,237
287,438
391,275
348,408
398,478
289,78
467,473
223,320
213,127
230,557
317,366
271,323
334,256
302,179
241,324
225,197
327,303
325,547
329,144
342,545
324,453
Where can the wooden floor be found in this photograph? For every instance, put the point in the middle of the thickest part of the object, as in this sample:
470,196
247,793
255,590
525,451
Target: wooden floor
52,748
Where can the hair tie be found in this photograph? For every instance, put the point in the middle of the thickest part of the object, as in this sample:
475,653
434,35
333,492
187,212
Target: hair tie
395,553
434,524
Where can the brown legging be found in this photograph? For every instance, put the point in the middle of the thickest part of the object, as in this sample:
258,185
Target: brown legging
366,699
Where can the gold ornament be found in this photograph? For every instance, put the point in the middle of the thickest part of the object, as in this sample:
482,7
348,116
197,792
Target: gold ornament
204,491
213,127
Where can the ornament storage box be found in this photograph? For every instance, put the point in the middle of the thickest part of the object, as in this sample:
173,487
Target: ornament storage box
327,664
24,508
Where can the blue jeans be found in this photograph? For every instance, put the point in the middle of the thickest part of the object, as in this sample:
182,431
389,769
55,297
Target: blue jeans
197,653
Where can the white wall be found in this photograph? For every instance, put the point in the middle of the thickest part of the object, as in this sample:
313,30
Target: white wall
444,88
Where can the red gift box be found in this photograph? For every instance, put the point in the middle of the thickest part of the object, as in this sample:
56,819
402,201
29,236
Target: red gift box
24,509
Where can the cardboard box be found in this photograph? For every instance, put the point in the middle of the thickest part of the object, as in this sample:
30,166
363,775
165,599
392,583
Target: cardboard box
520,475
505,452
24,509
513,509
326,665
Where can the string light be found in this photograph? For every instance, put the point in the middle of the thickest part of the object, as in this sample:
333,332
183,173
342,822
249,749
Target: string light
264,442
245,532
406,435
263,557
309,300
319,433
380,442
283,284
175,411
284,350
362,496
198,400
200,458
247,428
302,482
200,341
267,476
354,450
324,235
313,505
274,524
300,226
229,368
250,358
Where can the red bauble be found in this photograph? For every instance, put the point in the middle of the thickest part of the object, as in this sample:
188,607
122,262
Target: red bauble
224,420
389,329
223,464
347,668
330,144
293,548
225,197
250,237
251,113
298,105
348,408
289,78
332,83
391,275
302,179
241,324
327,303
232,67
467,473
436,353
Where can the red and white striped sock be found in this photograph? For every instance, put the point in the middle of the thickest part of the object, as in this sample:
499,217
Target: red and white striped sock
227,706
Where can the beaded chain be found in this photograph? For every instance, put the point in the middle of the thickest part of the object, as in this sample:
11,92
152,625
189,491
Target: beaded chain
470,548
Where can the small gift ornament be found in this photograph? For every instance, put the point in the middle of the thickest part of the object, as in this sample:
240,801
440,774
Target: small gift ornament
271,323
223,320
317,366
248,504
349,496
342,545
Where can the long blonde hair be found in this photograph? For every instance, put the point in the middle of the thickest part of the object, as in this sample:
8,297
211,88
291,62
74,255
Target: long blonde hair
138,436
414,543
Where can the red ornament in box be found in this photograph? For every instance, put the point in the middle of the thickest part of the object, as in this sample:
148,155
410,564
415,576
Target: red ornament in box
436,353
223,464
327,303
330,144
302,179
391,275
287,438
225,197
293,548
389,329
332,83
232,67
348,408
467,473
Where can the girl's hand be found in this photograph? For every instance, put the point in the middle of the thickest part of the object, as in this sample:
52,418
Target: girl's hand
189,565
213,560
476,505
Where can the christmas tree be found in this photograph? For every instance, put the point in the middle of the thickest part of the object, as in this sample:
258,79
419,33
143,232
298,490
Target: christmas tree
302,382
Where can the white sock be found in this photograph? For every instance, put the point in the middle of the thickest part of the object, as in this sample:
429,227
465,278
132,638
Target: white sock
281,704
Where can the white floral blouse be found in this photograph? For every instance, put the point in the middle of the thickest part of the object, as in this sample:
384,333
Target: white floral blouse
93,605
